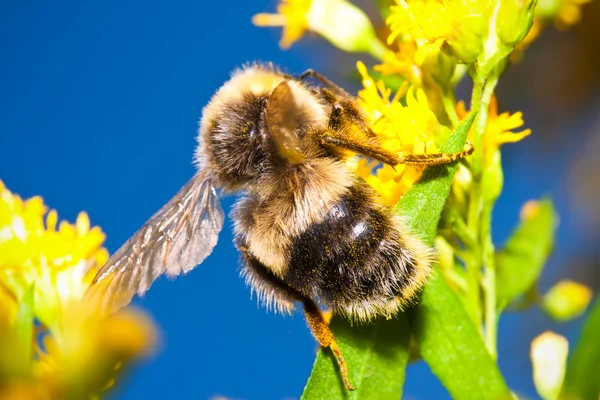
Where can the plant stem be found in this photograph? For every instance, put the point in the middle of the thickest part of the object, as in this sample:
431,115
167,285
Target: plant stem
473,264
489,284
449,101
478,223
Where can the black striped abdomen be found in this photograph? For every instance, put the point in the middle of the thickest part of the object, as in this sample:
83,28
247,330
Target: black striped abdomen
356,259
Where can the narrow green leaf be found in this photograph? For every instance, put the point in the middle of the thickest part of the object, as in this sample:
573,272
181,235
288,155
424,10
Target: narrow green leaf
422,205
581,381
448,340
376,354
522,259
451,345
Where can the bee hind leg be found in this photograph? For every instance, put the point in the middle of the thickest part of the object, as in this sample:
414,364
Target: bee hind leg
261,278
321,331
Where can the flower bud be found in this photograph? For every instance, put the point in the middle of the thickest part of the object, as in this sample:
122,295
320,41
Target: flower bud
514,19
493,177
567,300
440,67
549,357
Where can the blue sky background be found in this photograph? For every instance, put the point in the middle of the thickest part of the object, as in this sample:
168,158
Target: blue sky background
99,103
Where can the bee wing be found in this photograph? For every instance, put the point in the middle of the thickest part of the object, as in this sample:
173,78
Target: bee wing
174,240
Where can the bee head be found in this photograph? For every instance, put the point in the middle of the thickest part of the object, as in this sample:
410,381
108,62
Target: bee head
245,132
235,141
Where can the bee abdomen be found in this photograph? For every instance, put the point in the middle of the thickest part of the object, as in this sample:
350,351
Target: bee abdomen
359,259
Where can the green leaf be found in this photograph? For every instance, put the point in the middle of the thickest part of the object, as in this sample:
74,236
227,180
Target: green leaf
422,205
522,259
448,340
376,355
581,381
452,346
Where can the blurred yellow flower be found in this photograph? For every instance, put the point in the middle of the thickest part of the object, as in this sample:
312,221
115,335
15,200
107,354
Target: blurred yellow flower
549,357
339,21
400,128
291,15
564,13
499,128
460,27
53,344
61,262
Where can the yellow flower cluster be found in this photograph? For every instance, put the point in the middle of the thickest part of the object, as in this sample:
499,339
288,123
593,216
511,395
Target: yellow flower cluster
458,26
52,343
401,128
60,260
500,127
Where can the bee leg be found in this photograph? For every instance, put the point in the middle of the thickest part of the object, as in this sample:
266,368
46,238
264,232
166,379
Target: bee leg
264,281
321,332
310,73
374,151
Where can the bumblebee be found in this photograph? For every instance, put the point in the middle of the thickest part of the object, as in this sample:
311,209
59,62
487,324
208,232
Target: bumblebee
308,229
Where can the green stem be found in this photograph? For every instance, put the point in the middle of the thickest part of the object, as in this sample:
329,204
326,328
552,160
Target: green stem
473,263
480,101
460,228
489,284
449,101
456,279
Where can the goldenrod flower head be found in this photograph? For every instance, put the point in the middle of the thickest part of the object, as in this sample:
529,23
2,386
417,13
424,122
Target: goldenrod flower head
499,129
44,272
549,357
60,262
339,21
458,27
401,128
567,300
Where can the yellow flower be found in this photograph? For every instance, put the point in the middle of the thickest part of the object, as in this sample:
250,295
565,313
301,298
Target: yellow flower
402,62
499,129
60,261
291,15
457,26
339,21
74,352
401,128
